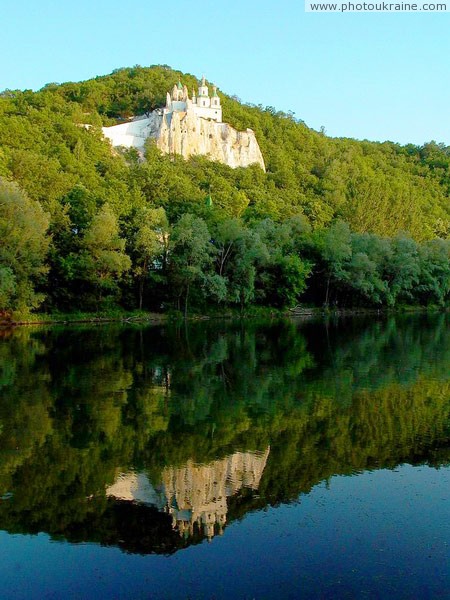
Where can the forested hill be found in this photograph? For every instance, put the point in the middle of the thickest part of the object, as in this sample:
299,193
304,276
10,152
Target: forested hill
79,183
381,188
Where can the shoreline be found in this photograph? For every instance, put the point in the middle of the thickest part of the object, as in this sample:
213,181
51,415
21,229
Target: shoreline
162,318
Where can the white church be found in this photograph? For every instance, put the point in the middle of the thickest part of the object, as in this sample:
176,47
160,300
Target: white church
201,105
189,127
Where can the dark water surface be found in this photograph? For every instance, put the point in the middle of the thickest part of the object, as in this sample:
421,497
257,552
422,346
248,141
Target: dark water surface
257,460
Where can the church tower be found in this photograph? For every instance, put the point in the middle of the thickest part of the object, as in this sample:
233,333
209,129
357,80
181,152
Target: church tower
201,105
179,97
204,100
206,106
215,100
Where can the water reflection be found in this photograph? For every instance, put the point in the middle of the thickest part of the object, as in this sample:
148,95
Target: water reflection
176,424
194,495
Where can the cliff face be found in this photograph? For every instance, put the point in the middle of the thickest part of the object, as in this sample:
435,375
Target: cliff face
190,135
187,134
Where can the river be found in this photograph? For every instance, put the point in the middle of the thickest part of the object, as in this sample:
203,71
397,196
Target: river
282,459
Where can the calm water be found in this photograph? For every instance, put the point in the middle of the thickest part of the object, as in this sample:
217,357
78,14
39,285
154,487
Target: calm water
276,460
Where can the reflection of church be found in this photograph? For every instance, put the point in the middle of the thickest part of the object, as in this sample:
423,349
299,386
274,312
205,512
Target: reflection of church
195,495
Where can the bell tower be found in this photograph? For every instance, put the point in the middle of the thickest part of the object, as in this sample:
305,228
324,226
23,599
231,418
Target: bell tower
215,100
203,99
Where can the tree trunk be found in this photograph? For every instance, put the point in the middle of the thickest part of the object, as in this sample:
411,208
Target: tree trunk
141,292
327,292
186,302
141,284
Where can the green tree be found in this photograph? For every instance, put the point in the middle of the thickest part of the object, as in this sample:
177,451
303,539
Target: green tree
104,260
434,278
226,237
191,254
334,248
23,247
283,273
364,271
403,269
241,274
7,288
150,244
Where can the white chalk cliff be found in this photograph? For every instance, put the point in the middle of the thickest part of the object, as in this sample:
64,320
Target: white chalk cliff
190,127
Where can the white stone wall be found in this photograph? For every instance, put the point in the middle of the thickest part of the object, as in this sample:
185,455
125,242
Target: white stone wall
178,105
208,113
134,133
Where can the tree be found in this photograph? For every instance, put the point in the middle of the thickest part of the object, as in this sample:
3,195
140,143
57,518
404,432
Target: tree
23,248
283,273
226,236
334,247
402,269
250,252
104,260
238,251
150,244
364,271
7,288
434,278
191,253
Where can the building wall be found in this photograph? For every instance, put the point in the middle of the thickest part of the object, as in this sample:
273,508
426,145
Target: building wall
208,113
134,133
179,105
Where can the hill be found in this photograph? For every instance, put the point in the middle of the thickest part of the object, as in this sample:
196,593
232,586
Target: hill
94,203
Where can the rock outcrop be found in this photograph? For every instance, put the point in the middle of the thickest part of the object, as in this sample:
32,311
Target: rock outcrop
189,135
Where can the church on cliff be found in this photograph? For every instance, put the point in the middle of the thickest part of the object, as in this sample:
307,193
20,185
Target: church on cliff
190,127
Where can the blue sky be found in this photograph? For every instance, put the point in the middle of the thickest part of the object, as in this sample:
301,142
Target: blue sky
373,76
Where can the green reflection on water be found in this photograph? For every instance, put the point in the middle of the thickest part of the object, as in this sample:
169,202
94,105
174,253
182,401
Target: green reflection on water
252,414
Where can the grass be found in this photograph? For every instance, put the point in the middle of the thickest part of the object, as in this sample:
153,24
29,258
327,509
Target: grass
84,317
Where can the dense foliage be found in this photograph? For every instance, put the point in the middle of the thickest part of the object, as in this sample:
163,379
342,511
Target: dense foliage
332,221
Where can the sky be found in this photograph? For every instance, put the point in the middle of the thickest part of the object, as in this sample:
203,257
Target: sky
367,76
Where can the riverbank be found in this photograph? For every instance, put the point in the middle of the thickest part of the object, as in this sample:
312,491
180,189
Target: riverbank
81,317
250,313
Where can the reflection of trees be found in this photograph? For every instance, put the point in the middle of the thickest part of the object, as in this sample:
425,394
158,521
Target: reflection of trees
77,403
24,410
387,351
380,428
